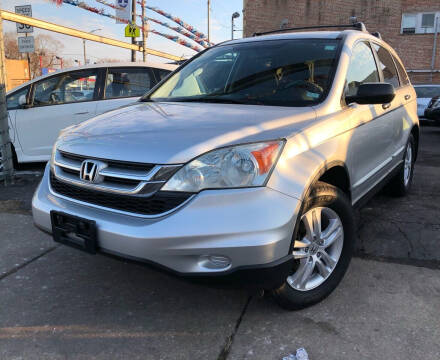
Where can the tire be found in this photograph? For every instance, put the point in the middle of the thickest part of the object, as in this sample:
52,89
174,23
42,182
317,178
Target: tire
400,185
331,205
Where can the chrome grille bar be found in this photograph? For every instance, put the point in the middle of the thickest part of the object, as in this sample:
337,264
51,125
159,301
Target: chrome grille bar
127,178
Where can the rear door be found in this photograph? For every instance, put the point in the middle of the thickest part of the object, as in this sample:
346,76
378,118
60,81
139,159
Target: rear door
409,99
394,113
56,102
125,85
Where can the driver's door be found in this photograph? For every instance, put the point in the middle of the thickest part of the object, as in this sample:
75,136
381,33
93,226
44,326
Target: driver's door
56,102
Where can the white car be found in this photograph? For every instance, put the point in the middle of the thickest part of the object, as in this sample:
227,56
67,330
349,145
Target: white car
425,92
39,109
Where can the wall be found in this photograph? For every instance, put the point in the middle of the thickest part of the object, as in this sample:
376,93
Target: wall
378,15
17,73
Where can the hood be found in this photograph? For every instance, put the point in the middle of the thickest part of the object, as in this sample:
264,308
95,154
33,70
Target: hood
171,133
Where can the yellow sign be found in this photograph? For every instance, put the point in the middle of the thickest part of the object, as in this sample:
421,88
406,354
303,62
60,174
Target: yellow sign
132,31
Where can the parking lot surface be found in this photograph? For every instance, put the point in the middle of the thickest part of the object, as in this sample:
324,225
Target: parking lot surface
59,303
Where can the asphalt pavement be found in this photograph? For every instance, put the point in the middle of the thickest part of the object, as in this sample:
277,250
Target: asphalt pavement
59,303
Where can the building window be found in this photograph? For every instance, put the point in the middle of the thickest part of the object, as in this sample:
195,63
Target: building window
419,23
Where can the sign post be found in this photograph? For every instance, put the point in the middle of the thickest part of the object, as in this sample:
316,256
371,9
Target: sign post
6,166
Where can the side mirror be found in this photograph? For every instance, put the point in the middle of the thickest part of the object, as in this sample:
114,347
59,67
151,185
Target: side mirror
372,93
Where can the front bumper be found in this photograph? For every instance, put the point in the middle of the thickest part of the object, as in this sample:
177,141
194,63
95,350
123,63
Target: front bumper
253,228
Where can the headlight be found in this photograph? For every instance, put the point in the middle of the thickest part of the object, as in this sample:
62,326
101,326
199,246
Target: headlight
230,167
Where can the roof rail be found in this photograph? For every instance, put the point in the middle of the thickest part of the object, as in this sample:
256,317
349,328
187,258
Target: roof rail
357,26
377,34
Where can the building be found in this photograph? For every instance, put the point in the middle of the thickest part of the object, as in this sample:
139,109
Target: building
407,25
17,73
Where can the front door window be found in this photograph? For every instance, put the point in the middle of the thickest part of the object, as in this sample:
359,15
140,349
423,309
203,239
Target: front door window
66,88
362,69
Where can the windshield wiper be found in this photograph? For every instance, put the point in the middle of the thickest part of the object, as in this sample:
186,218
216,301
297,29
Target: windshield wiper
218,100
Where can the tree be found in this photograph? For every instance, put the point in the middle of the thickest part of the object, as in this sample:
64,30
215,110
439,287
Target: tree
46,48
107,60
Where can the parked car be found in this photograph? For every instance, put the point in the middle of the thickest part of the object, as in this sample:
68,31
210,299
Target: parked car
245,163
432,112
39,109
425,92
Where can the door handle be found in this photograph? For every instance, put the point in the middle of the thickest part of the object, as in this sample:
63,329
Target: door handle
407,97
81,113
386,106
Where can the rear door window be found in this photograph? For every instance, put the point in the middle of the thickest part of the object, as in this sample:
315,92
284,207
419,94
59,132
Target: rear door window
127,82
404,79
386,64
162,73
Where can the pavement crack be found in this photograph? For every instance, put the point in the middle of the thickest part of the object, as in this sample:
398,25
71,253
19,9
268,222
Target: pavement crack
230,339
21,266
410,245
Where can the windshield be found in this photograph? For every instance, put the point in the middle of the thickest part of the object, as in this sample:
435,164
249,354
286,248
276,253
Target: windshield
427,91
278,72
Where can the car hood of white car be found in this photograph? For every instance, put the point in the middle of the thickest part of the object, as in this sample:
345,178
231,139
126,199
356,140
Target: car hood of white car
172,133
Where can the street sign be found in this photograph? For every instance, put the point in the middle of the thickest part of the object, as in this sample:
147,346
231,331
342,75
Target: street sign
123,11
26,44
25,10
132,31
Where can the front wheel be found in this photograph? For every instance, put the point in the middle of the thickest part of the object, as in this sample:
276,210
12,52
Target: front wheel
322,248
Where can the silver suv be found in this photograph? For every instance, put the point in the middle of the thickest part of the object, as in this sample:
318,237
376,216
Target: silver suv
245,163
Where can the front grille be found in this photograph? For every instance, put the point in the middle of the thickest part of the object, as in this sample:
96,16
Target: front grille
111,163
118,177
160,202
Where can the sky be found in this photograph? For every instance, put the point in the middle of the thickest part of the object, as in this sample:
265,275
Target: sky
193,12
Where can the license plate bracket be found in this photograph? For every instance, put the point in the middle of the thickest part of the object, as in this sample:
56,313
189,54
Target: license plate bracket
74,231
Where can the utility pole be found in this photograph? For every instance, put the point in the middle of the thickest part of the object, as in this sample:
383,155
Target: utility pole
209,20
144,33
133,20
84,50
434,47
6,166
28,60
84,45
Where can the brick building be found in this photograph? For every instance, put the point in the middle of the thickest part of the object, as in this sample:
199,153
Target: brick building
407,25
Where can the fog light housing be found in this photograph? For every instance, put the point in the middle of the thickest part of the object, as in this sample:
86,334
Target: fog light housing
215,262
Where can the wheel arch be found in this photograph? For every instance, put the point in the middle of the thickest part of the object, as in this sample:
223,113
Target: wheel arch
415,132
334,173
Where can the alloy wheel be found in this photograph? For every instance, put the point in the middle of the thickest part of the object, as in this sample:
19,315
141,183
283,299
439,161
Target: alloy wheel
317,249
407,164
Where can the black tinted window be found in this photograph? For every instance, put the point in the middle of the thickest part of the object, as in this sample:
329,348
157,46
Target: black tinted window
427,91
362,68
278,72
402,73
127,82
387,66
162,73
